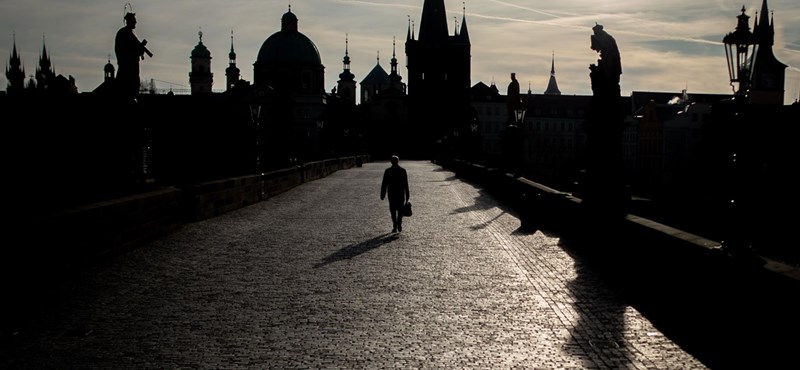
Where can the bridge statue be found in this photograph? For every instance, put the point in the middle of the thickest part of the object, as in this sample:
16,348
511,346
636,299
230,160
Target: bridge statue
129,50
604,188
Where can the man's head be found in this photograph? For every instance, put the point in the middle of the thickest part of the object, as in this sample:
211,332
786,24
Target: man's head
395,160
130,19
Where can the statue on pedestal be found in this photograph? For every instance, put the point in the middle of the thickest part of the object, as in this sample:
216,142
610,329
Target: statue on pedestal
604,188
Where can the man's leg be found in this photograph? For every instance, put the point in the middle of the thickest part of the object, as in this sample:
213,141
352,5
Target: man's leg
394,212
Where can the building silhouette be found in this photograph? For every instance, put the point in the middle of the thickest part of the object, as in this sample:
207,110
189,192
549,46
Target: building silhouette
769,74
200,78
15,72
552,85
439,81
346,86
232,73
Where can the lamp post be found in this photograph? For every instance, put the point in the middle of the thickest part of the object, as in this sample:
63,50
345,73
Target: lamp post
519,116
517,141
741,48
255,118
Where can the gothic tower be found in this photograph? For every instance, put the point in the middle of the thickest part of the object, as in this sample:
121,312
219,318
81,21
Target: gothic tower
768,73
201,78
347,83
439,68
15,72
45,73
232,72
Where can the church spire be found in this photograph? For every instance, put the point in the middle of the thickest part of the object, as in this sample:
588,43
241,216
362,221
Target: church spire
347,80
394,77
232,75
464,34
552,85
15,72
346,75
433,25
45,74
232,54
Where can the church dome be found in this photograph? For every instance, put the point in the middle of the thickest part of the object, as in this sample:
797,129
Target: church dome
289,45
108,67
201,51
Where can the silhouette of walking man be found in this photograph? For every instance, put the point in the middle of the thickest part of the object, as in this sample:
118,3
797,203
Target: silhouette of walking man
395,184
129,50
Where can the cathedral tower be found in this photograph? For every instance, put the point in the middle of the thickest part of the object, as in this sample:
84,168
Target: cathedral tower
200,78
45,73
439,68
15,72
768,73
232,72
347,83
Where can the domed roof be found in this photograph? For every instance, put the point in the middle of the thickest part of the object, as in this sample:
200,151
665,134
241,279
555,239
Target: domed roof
108,67
201,51
289,45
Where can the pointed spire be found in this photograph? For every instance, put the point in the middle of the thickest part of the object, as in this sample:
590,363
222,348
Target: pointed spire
394,77
43,55
408,34
232,54
552,85
764,20
433,25
346,75
464,32
15,72
14,54
763,27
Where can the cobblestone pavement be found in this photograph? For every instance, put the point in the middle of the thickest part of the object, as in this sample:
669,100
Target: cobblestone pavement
313,278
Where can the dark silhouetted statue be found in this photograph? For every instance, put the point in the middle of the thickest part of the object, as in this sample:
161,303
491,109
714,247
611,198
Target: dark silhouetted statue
604,189
129,51
513,102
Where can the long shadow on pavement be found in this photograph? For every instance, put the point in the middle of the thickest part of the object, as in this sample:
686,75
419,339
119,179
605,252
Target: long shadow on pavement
727,313
357,249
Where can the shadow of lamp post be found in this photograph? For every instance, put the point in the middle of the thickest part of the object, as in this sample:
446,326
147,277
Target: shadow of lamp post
741,47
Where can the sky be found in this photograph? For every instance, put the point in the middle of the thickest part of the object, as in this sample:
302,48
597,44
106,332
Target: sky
665,46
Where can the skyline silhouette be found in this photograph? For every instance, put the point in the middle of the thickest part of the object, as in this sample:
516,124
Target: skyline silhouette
666,47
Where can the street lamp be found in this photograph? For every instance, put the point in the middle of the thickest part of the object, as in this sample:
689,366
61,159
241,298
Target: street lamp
740,50
519,116
255,118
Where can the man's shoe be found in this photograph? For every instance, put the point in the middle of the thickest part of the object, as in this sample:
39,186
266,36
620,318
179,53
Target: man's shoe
399,227
394,230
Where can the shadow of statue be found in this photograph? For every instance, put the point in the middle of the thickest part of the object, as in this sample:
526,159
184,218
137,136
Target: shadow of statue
354,250
724,314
